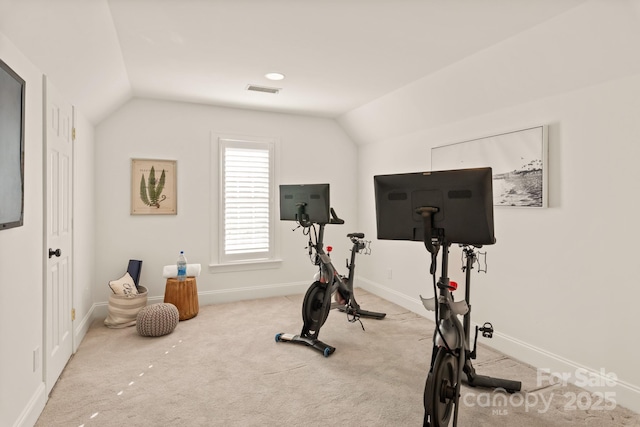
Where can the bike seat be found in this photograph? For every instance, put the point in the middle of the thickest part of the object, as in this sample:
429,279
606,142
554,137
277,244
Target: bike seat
356,235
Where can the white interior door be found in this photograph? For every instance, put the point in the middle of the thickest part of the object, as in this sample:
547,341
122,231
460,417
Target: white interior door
58,122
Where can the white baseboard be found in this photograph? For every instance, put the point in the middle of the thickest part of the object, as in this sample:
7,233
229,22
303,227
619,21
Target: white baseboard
82,327
547,363
251,292
34,408
218,296
391,295
99,310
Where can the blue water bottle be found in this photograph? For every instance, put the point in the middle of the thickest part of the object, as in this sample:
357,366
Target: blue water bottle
182,267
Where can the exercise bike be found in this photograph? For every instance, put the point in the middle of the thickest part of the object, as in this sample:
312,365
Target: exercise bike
317,300
452,354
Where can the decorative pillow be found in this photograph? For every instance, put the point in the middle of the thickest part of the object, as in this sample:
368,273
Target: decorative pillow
124,286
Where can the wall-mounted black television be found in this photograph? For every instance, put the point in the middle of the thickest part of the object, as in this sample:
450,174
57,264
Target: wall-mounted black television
463,199
314,199
12,90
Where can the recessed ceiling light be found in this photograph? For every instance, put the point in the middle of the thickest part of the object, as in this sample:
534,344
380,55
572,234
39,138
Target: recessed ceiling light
274,76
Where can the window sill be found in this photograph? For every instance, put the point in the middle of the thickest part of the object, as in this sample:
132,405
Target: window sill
245,266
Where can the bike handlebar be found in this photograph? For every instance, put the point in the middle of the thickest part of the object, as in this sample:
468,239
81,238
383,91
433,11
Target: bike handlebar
303,218
334,218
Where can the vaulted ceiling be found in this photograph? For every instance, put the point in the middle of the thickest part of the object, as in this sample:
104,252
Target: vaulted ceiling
336,55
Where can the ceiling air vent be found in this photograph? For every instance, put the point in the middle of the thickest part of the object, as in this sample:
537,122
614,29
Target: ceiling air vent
263,89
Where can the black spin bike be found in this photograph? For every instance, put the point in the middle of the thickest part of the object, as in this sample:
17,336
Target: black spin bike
317,300
452,354
439,208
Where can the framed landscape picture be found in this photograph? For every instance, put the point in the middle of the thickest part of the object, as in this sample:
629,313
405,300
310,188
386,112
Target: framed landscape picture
153,187
518,160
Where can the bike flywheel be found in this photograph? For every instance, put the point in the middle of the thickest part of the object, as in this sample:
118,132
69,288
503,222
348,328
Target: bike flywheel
314,309
440,390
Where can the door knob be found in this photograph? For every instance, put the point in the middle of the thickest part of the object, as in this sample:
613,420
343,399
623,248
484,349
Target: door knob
57,252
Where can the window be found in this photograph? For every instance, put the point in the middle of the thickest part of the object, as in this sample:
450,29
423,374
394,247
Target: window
246,210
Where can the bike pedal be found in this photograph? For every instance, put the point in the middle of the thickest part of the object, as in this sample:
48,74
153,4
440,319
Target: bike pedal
487,330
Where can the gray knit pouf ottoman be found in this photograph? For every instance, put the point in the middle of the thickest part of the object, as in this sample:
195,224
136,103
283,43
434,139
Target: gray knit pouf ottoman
156,320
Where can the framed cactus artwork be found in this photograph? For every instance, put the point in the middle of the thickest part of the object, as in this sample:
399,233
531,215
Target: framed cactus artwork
153,187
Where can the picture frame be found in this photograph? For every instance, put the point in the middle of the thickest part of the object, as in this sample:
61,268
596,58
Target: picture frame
153,187
518,160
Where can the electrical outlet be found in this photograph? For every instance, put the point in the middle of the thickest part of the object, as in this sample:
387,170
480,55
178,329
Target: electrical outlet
389,274
36,359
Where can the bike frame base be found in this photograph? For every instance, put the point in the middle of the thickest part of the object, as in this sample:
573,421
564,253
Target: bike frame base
358,311
476,380
316,344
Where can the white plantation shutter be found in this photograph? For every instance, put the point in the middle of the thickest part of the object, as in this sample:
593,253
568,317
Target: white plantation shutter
246,198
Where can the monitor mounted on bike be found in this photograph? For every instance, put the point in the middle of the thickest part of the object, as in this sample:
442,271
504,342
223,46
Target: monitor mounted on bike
305,203
462,200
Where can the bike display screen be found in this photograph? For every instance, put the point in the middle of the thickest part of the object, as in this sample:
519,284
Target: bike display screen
463,199
313,197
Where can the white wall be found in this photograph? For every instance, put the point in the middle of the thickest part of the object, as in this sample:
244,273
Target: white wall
84,226
310,150
21,267
588,45
22,257
560,288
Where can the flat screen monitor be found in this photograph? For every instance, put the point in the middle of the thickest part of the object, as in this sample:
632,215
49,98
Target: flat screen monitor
463,198
12,90
313,197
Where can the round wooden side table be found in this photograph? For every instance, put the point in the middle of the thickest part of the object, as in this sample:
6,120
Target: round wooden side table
184,295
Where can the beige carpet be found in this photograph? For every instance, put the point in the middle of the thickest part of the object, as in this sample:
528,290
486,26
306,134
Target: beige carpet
224,368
